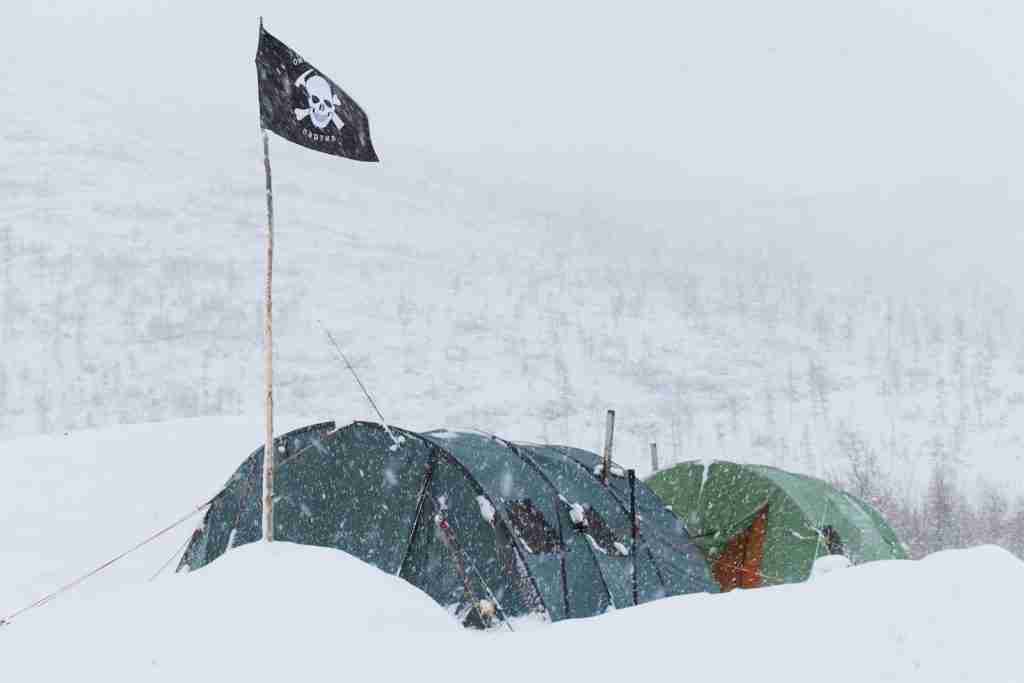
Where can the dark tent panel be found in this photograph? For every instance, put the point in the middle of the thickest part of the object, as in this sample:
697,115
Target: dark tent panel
486,527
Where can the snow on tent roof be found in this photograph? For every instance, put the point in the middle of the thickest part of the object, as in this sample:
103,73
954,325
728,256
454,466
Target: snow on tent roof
470,519
762,526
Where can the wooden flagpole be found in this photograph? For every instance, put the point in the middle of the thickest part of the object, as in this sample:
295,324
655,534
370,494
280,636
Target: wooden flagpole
268,356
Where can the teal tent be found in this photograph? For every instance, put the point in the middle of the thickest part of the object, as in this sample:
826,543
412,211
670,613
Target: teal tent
488,528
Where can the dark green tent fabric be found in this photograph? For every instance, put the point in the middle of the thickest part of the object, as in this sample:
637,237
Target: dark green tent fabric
719,500
471,519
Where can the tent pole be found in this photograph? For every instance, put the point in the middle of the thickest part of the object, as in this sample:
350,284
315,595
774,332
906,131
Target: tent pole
268,358
609,433
632,516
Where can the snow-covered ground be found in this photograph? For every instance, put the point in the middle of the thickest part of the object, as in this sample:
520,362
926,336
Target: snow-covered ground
946,618
70,502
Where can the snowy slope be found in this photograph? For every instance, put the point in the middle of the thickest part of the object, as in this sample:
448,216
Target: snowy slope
720,324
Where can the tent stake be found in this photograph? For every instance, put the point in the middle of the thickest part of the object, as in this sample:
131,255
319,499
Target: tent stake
609,433
632,516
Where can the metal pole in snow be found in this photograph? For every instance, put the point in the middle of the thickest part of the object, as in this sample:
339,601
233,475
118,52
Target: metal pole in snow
268,356
654,457
632,516
609,433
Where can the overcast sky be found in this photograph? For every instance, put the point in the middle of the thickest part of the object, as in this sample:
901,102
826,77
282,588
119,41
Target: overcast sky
875,121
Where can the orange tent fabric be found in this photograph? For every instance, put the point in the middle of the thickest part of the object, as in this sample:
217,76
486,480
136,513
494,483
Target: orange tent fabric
739,565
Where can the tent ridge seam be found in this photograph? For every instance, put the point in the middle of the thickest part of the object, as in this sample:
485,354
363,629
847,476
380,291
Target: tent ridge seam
448,455
421,499
590,548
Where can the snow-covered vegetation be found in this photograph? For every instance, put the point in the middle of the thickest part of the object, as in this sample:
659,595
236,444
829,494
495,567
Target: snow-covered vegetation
719,353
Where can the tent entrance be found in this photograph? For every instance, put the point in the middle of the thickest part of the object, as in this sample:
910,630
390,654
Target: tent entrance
739,565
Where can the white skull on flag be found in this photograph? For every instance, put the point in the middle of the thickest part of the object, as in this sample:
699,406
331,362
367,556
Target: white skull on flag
321,100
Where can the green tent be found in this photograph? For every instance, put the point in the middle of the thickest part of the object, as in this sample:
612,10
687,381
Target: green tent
760,525
488,528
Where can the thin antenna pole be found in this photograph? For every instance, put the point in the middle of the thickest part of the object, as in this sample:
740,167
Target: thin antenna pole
268,355
366,393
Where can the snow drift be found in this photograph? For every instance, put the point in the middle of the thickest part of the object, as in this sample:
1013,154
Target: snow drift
942,619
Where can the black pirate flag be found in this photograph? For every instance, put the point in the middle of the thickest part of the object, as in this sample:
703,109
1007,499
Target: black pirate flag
301,104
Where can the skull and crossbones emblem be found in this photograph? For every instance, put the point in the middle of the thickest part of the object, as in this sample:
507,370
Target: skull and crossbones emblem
321,99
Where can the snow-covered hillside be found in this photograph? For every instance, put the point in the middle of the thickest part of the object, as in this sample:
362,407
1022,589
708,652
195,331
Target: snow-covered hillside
70,502
122,310
799,330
